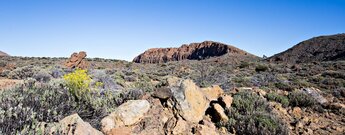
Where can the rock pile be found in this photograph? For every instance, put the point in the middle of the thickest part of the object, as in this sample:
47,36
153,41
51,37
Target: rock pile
77,60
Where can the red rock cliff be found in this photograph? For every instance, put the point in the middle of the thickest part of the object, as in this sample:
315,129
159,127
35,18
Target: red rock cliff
193,51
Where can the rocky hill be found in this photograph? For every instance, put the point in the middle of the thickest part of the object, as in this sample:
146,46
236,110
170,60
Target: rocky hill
193,51
3,54
322,48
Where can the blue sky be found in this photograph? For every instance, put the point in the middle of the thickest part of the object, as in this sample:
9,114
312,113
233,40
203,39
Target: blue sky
125,28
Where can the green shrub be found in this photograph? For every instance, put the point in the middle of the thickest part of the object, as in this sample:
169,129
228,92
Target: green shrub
251,114
78,83
278,98
301,99
244,64
261,68
23,72
283,86
23,107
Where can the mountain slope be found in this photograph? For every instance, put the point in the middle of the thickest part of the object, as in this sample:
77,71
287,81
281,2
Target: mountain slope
193,51
3,54
322,48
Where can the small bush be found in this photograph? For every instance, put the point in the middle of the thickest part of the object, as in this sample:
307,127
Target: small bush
78,83
108,83
251,114
283,86
299,98
244,64
23,72
42,76
334,74
261,68
278,98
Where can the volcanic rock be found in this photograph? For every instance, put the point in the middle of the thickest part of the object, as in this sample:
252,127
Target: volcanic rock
323,48
193,51
77,60
71,125
189,101
126,114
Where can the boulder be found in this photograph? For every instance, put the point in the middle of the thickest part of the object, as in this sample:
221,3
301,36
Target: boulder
212,93
315,93
182,127
126,114
189,101
77,60
220,113
71,125
226,100
162,93
205,130
120,131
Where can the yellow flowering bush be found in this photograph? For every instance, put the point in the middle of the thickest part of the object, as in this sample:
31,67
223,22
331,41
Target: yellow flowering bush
78,83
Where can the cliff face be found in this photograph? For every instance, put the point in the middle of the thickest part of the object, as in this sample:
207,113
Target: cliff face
323,48
193,51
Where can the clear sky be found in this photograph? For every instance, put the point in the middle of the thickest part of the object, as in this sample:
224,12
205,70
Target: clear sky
125,28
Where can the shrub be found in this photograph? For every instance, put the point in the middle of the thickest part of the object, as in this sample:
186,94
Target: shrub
78,83
301,99
56,72
278,98
261,68
251,114
23,72
42,76
244,64
104,81
283,86
334,74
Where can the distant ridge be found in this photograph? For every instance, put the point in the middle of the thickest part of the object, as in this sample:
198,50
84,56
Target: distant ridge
193,51
3,54
322,48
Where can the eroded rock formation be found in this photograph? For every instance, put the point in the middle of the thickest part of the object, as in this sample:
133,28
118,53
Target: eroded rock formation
77,60
193,51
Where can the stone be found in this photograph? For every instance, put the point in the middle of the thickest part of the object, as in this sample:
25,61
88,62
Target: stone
220,113
193,51
77,60
126,114
162,93
315,93
73,125
189,101
204,130
120,131
226,100
212,93
181,127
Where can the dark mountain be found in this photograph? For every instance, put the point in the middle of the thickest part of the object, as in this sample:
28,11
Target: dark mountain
322,48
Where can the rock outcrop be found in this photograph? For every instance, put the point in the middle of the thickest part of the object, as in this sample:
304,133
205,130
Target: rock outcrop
3,54
193,51
323,48
127,114
71,125
77,60
189,101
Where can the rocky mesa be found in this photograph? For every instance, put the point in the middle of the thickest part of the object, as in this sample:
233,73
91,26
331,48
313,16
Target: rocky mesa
193,51
322,48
